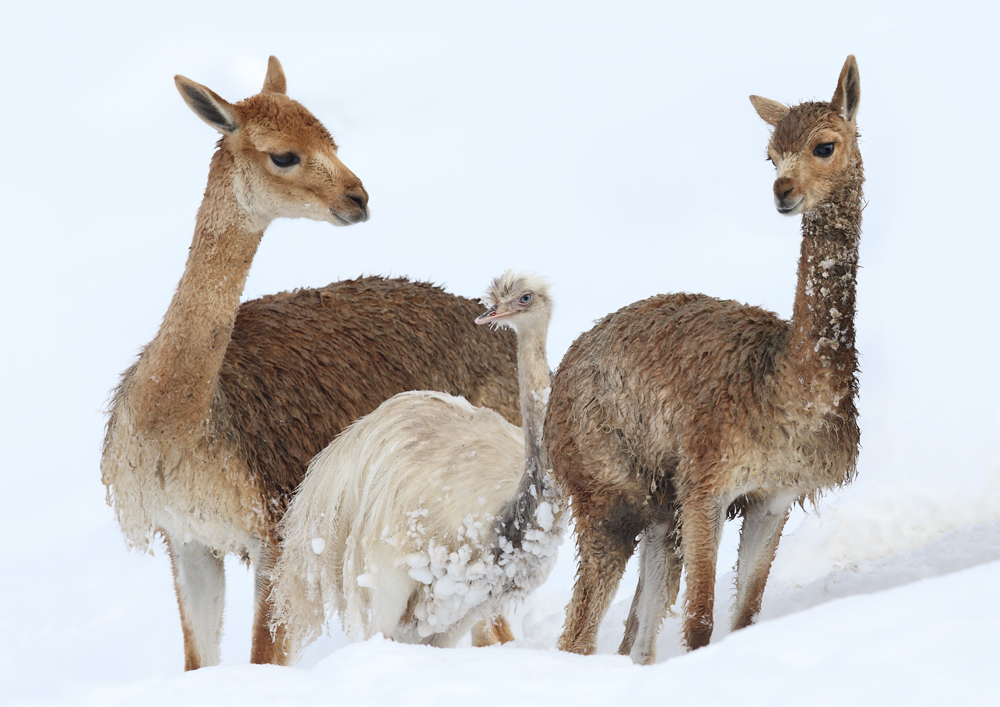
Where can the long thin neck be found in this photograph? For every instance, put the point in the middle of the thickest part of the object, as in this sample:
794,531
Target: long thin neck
821,348
533,380
179,370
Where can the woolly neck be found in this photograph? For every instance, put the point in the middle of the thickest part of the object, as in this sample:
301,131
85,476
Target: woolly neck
821,349
179,369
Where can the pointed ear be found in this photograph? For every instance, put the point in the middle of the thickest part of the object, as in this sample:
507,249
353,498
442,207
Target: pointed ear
771,111
274,82
848,94
207,105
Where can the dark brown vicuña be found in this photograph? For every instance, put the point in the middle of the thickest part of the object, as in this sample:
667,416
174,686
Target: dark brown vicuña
303,365
679,410
211,429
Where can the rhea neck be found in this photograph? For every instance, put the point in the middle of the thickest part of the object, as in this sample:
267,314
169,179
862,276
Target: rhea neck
533,383
821,347
179,369
533,379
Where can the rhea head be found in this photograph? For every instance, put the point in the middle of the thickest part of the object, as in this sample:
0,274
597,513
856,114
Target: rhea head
518,300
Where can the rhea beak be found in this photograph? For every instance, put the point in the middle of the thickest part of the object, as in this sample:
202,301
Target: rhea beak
490,315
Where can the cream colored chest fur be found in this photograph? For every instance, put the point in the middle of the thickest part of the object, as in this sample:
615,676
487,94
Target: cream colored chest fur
196,490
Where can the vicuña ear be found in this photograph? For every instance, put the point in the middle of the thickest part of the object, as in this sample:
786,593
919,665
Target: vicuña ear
207,105
771,111
848,94
274,82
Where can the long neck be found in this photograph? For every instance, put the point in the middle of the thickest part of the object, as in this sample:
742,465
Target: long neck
821,348
533,379
178,373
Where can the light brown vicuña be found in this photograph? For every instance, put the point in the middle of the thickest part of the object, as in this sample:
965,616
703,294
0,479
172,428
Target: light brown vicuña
211,429
429,514
679,409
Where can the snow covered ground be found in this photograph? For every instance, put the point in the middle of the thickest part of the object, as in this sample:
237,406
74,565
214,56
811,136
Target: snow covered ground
608,146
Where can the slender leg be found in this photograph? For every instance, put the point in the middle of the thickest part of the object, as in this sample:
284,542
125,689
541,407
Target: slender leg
606,538
265,648
632,622
659,583
762,525
702,516
200,583
489,632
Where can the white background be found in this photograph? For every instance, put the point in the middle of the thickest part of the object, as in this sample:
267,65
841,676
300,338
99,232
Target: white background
608,146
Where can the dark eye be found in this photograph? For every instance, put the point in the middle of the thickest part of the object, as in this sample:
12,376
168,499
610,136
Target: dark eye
285,160
824,150
525,299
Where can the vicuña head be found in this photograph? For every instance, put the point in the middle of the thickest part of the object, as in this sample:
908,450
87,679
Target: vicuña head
283,162
814,144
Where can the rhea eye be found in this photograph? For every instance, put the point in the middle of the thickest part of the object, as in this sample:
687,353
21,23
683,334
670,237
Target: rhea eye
525,299
285,160
824,150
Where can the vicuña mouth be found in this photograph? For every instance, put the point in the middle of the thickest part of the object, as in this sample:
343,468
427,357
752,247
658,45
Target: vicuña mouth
341,221
350,219
789,210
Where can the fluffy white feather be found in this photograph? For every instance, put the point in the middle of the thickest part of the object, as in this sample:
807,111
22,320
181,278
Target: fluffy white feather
429,514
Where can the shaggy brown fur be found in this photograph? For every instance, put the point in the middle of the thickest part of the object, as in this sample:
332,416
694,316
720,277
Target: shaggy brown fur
303,365
677,409
211,429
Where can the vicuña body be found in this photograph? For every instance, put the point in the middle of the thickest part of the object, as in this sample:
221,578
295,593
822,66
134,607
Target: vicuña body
680,408
211,429
429,514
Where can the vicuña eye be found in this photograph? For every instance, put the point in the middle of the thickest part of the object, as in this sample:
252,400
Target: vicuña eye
525,299
285,160
824,150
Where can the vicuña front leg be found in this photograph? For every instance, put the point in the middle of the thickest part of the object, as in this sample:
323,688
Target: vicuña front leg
762,525
659,583
606,538
200,583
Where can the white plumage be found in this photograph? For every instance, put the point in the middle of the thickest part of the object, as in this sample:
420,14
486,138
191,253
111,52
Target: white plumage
429,514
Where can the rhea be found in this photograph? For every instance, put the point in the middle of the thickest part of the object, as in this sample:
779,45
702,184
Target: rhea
429,514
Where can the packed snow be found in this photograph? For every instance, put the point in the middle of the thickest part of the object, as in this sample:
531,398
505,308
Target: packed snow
608,147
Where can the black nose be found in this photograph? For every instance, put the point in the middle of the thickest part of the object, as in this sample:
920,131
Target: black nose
783,188
359,197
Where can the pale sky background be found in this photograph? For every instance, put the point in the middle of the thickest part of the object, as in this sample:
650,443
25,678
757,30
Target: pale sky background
608,146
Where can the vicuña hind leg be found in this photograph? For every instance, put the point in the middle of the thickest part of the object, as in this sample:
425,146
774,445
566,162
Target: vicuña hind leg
200,583
762,525
659,583
702,516
606,537
265,648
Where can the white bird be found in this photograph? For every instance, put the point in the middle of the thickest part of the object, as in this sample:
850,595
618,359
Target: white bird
429,514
